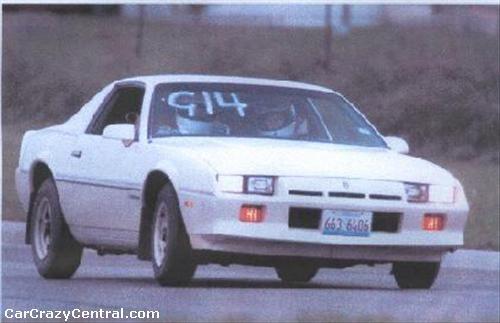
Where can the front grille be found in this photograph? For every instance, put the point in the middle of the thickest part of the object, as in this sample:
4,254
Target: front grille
310,218
386,222
385,197
347,195
305,218
305,193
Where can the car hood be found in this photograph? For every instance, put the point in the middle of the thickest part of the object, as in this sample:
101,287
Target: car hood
244,156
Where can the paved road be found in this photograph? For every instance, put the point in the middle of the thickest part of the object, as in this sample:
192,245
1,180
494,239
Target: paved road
466,290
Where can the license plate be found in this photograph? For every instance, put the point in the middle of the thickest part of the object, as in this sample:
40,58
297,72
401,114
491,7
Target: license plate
346,223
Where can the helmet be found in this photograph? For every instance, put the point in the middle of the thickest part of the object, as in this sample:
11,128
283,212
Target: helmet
199,124
277,122
191,126
190,118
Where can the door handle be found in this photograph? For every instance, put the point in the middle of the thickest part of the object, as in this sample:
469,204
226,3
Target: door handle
76,153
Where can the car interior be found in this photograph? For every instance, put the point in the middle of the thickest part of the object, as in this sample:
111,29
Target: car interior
123,106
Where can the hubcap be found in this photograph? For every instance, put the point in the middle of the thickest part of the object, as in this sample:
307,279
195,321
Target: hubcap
42,228
160,234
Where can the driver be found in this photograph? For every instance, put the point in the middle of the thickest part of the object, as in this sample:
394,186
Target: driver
278,122
201,123
197,124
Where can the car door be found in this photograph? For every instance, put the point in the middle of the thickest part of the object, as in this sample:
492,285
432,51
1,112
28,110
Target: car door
104,199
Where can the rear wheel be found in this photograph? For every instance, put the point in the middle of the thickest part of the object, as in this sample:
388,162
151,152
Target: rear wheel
415,275
55,252
296,273
173,262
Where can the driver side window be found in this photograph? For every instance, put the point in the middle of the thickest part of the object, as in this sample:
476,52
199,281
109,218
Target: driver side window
123,105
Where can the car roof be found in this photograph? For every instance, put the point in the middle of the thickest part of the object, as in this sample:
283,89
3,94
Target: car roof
196,78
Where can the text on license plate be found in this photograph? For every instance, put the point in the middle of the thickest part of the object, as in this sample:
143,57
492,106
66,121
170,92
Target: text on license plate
346,223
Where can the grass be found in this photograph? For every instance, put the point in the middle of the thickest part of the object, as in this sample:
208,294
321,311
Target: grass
437,88
480,181
420,83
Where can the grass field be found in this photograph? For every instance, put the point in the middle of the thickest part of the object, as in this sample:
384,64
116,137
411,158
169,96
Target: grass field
420,83
480,180
437,88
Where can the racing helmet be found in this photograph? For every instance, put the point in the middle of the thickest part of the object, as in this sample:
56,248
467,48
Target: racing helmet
191,118
277,122
199,123
193,126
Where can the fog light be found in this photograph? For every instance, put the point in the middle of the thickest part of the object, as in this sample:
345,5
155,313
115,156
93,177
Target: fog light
433,222
251,213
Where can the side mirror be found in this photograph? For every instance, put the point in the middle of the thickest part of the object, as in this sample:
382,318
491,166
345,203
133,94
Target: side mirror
397,144
119,131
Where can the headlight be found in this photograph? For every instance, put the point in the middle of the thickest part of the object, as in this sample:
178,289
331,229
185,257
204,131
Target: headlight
259,185
417,193
421,193
263,185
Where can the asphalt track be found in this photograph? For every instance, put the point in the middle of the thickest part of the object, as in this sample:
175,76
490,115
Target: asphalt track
466,290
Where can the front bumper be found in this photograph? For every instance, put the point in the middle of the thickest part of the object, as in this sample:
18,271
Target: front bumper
212,223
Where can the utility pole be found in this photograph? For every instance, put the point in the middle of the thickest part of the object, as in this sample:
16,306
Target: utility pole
346,17
328,36
140,31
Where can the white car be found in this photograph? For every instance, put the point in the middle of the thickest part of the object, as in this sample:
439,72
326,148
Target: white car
186,170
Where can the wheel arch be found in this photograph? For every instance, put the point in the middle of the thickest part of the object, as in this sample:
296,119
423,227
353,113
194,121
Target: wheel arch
39,172
154,182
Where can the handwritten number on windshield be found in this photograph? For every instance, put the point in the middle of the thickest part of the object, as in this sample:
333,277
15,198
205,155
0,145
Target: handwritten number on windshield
175,97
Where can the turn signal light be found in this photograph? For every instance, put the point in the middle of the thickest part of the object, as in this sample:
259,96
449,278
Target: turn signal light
252,213
433,222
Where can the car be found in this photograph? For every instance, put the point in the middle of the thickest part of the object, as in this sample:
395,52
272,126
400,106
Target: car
187,170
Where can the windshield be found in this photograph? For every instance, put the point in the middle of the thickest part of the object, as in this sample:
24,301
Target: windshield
234,110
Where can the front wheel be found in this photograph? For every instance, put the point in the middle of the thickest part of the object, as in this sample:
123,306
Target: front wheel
55,252
415,275
296,273
173,262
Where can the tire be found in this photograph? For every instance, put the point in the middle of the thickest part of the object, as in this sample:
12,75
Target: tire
55,252
296,273
415,275
171,252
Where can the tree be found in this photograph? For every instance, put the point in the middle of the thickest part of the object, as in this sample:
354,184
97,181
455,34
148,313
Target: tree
196,9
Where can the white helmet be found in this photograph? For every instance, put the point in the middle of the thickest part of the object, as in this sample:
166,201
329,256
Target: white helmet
196,125
190,126
277,122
